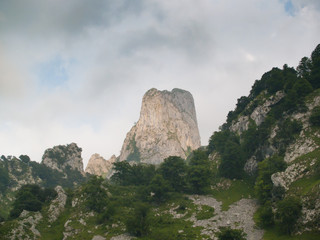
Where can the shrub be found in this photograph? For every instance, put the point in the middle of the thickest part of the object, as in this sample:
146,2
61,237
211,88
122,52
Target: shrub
288,212
265,215
226,233
315,117
31,197
138,224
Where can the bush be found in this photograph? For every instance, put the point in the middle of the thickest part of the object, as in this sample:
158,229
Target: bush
4,179
174,170
96,194
265,215
264,185
288,212
31,197
315,117
226,233
138,224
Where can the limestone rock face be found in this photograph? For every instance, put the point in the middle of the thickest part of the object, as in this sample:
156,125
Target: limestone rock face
57,205
258,115
97,165
62,156
167,127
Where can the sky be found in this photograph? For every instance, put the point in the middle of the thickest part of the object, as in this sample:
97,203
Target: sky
76,70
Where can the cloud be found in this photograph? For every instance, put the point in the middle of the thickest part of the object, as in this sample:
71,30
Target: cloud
78,69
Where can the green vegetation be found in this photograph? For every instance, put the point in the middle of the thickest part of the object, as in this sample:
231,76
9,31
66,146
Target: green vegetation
31,198
135,155
206,212
226,233
237,190
264,185
315,117
272,234
288,212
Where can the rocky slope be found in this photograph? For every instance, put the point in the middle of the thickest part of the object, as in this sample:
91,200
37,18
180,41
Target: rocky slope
167,127
63,156
97,165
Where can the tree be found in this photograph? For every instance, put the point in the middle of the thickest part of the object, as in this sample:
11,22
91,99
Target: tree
264,185
315,69
174,170
123,173
315,117
96,194
265,215
4,179
199,171
304,68
226,233
24,158
288,212
159,189
31,197
138,223
232,161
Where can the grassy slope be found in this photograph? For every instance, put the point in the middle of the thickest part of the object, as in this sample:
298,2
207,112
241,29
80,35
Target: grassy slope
239,189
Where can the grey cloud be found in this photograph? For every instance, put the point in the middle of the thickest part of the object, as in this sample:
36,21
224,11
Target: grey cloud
47,18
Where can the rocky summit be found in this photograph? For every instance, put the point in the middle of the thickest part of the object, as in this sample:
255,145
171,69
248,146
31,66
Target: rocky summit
62,156
167,127
97,165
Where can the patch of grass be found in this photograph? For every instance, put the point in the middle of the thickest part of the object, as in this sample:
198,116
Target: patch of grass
6,203
239,189
206,212
272,234
166,227
304,185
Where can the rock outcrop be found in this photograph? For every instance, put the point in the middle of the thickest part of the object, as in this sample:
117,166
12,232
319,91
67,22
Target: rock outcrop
63,156
26,226
57,205
167,127
97,165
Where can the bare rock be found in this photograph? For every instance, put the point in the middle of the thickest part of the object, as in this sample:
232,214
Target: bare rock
62,156
98,237
97,165
27,220
57,205
259,113
122,237
239,216
240,125
167,127
251,166
292,173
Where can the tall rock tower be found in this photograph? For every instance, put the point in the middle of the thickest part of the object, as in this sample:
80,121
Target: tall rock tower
167,127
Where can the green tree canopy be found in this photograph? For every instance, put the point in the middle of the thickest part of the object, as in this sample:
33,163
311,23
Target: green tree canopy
174,170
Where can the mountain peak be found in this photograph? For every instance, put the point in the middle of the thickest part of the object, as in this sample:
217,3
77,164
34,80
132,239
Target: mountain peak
167,127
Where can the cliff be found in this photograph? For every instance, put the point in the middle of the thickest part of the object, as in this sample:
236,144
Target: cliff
167,127
63,156
97,165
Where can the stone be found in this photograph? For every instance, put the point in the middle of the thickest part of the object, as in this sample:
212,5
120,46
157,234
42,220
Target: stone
97,165
251,166
167,127
98,237
57,205
259,113
27,220
238,216
62,156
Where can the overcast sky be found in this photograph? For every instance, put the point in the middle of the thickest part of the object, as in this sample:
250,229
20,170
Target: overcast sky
76,70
